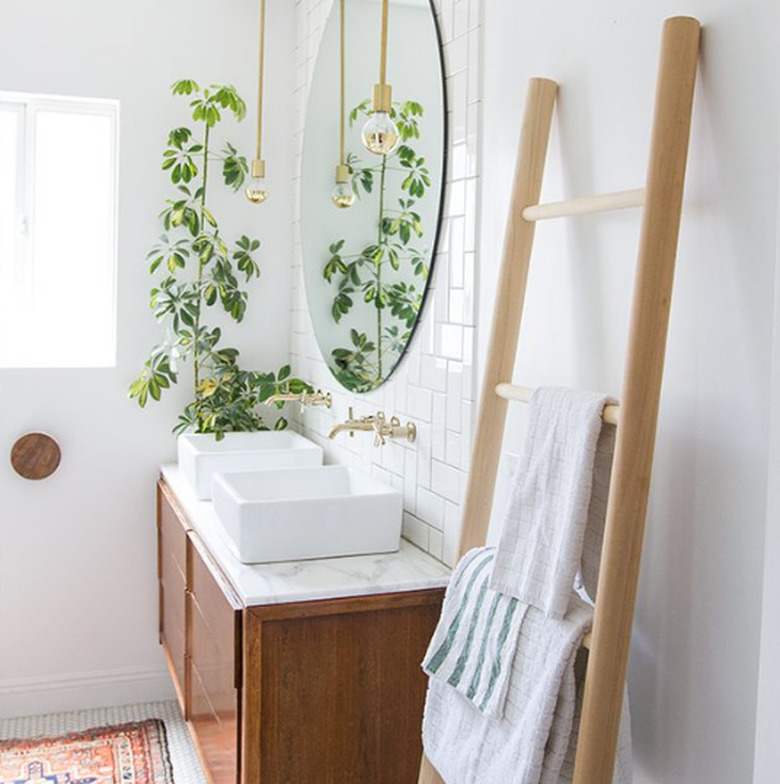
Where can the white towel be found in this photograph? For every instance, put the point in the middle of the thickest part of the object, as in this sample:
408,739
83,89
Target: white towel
531,743
540,549
597,511
474,643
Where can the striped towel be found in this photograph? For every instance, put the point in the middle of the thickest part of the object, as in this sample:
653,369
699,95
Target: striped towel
474,644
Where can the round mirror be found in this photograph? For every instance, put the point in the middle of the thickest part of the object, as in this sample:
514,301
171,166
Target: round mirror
369,240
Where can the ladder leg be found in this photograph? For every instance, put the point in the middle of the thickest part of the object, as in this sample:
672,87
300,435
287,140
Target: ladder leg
508,311
527,186
429,774
608,659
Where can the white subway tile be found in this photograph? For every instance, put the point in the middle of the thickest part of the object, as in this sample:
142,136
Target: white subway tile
438,426
449,341
452,453
430,508
446,481
452,517
419,403
436,544
457,306
433,373
424,455
461,13
415,531
454,395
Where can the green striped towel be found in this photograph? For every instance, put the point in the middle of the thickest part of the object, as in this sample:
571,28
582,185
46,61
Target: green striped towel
475,641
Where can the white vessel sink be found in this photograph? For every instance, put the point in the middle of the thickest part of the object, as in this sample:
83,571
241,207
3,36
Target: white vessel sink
202,456
300,513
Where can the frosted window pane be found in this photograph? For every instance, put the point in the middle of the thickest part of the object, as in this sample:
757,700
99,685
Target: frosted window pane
73,251
8,226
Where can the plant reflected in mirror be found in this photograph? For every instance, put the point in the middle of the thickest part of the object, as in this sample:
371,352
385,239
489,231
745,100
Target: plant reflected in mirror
367,268
389,274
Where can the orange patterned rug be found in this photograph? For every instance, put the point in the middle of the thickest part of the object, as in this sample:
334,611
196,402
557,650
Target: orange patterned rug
128,754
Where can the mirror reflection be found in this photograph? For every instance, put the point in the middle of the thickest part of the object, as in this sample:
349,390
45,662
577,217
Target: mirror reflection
370,217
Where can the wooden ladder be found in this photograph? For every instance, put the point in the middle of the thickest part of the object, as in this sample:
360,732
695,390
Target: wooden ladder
636,416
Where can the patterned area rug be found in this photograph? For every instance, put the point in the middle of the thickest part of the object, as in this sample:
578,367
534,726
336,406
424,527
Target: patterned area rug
134,753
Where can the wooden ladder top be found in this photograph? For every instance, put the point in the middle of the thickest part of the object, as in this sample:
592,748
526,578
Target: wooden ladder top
637,415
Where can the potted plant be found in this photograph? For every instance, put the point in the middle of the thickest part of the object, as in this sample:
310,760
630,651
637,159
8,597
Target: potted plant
198,270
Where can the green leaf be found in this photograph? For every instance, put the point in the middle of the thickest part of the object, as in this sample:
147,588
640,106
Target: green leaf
185,87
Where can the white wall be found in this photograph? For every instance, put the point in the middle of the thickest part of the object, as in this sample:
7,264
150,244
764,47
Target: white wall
768,714
78,606
696,640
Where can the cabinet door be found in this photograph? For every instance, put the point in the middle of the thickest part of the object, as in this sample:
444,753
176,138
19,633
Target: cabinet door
171,573
214,644
334,689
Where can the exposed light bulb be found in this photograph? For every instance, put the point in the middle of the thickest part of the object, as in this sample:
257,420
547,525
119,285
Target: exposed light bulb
342,195
380,134
257,192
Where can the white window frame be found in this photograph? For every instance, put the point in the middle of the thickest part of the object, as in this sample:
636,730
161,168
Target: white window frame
26,106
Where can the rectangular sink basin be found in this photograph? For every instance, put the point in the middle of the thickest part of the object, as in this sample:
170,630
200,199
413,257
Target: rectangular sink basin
202,456
300,513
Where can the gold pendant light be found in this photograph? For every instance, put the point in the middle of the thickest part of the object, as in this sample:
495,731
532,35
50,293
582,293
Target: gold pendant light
380,133
257,191
343,196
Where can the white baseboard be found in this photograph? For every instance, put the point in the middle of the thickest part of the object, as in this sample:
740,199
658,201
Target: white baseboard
77,691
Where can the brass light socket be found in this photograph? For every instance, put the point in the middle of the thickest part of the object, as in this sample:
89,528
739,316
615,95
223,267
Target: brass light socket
342,173
258,168
383,98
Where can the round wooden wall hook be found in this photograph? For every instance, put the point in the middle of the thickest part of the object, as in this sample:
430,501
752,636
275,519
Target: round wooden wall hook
35,455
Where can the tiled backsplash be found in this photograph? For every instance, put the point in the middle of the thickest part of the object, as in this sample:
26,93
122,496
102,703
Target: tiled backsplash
434,385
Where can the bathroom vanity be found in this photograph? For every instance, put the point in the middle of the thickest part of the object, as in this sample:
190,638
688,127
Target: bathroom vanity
301,672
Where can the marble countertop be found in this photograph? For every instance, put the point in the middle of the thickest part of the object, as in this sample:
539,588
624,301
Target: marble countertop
409,569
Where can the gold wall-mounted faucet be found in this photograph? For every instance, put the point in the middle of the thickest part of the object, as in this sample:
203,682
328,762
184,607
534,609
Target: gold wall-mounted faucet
382,428
304,398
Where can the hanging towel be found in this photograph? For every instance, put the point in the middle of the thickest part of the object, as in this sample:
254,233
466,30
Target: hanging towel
474,643
539,553
623,756
597,511
530,744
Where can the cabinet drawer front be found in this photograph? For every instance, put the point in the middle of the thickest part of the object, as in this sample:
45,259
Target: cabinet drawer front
214,647
216,734
172,531
219,608
215,659
172,635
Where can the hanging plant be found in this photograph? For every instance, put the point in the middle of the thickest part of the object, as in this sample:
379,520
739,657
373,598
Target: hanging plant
198,270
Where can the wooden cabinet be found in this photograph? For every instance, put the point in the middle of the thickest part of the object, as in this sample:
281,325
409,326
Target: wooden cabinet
315,692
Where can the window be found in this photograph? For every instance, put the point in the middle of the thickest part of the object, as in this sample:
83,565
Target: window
58,216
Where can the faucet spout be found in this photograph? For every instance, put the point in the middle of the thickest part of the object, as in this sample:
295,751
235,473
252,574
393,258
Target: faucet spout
341,427
352,424
304,398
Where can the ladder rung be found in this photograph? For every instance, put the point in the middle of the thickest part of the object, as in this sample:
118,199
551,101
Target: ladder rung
523,395
621,200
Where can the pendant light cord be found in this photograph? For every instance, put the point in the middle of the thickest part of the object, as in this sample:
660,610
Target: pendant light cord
343,69
260,82
383,54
